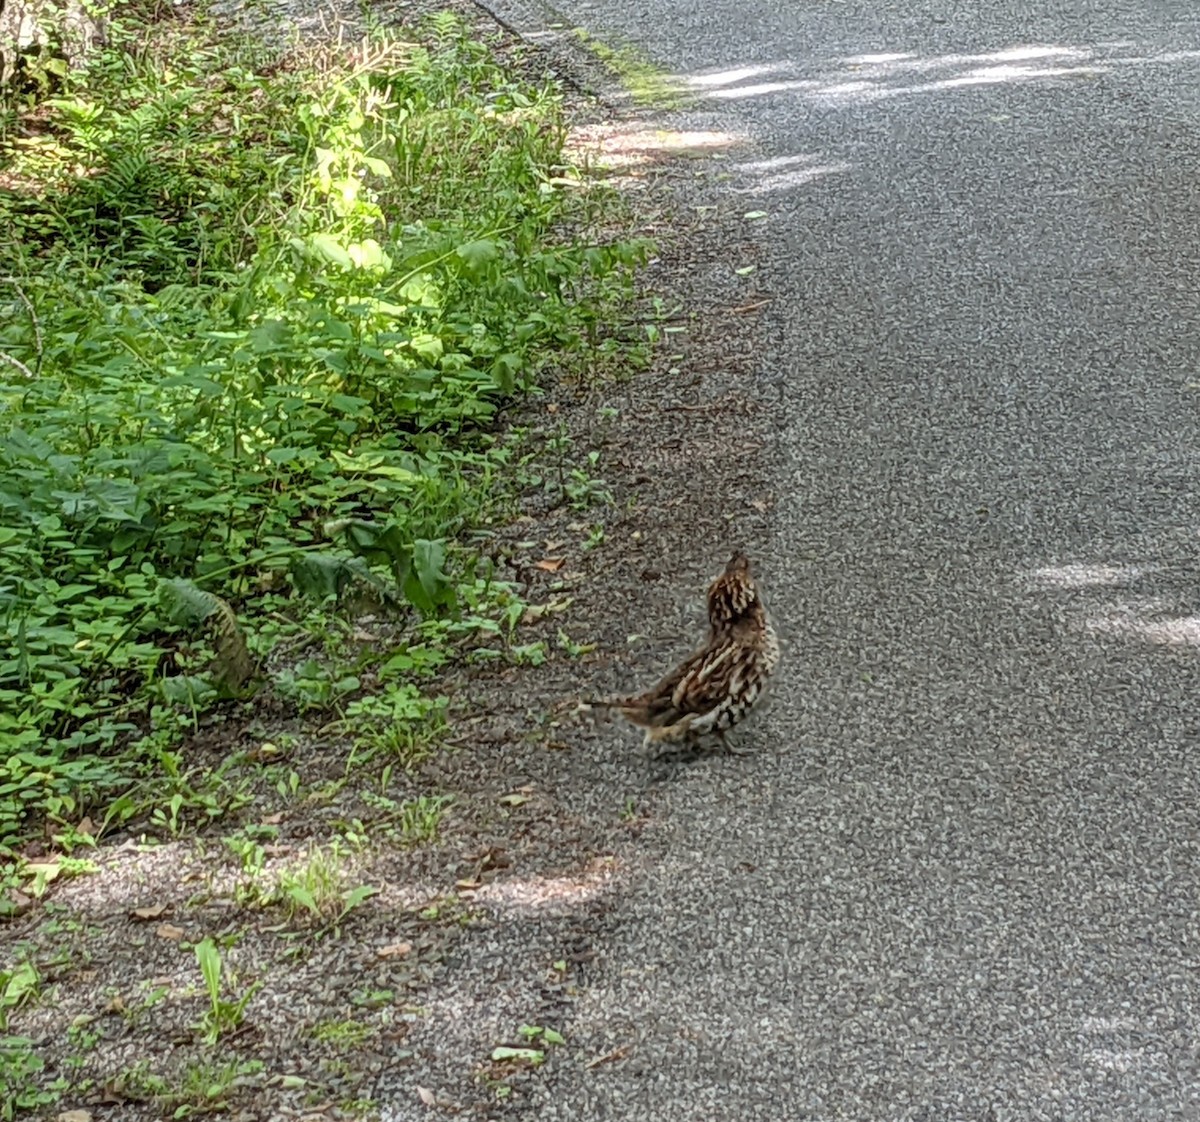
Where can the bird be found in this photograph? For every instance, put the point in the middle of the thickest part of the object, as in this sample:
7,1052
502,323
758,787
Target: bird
717,686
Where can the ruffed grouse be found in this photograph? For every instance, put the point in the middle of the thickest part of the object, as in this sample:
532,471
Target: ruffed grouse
715,688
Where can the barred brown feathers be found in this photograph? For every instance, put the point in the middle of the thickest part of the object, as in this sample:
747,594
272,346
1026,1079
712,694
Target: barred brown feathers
715,688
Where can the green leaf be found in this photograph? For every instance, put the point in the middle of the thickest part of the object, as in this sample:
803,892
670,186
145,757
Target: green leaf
185,602
357,895
304,898
529,1055
369,254
209,959
431,587
374,463
378,167
328,248
478,253
505,368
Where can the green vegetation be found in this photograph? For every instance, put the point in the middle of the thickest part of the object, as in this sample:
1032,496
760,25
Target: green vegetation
22,1087
200,1088
647,85
223,1014
317,886
257,319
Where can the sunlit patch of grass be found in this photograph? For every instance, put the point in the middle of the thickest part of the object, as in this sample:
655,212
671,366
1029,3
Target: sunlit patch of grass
647,84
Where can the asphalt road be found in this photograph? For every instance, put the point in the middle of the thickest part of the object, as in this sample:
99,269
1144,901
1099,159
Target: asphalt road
964,880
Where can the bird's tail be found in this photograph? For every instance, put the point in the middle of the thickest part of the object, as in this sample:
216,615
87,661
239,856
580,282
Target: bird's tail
587,704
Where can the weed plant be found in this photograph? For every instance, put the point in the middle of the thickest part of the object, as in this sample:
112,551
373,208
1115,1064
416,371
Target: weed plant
257,317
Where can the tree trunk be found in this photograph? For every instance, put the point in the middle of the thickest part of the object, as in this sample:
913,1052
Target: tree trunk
40,39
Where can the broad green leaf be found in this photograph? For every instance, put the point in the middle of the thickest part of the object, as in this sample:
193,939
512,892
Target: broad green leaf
328,248
304,898
369,254
209,959
429,561
478,253
378,167
529,1055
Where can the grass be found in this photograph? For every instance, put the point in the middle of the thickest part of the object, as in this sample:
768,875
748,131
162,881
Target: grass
646,84
258,318
198,1088
317,887
224,1013
21,1066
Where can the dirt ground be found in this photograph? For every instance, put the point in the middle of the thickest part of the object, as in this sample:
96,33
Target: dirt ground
394,1012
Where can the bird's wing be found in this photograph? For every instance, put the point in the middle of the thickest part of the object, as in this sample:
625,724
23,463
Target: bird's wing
710,677
659,700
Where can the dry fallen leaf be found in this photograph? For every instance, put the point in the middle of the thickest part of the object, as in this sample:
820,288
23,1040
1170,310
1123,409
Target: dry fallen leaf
88,829
535,611
168,931
468,884
609,1057
264,752
550,564
148,913
427,1096
74,1116
394,950
513,800
47,870
495,859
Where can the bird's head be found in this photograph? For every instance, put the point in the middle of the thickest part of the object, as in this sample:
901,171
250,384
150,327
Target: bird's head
733,595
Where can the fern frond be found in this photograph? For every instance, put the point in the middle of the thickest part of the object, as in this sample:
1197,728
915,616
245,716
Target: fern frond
185,602
188,605
321,575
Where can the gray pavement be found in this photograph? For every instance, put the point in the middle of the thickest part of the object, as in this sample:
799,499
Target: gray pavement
963,882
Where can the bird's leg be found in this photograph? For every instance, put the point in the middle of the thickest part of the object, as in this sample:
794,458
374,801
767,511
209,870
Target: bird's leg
728,748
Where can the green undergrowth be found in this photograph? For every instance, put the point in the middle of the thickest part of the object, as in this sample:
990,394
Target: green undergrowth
645,83
257,317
